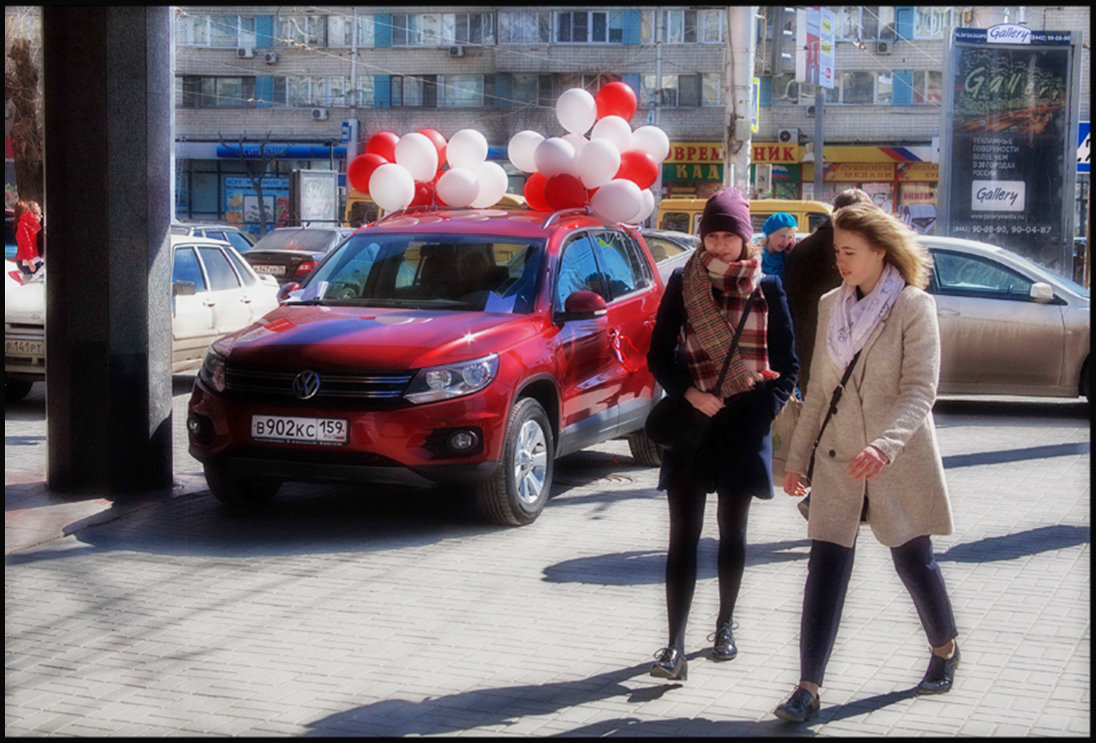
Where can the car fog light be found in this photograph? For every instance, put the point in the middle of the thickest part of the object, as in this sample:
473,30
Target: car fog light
463,440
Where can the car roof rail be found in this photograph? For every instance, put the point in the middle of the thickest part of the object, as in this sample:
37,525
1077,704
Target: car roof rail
561,213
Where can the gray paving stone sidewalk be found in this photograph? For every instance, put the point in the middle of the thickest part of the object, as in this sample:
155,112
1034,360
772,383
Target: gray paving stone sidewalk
391,613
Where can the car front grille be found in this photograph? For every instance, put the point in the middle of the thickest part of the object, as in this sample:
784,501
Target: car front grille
378,386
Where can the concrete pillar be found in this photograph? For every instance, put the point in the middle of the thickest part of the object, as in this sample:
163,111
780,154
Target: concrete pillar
108,151
741,35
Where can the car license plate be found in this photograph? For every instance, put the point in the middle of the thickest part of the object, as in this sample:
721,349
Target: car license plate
18,347
299,430
272,270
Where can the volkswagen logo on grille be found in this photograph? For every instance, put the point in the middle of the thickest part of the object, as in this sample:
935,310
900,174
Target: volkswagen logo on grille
306,384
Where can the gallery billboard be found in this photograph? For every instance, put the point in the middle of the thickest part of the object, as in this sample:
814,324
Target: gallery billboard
1008,151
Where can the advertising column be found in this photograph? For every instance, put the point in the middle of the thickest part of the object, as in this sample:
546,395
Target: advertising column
1007,172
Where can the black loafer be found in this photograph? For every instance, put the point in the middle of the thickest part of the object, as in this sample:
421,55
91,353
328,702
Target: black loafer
670,664
800,707
724,647
940,676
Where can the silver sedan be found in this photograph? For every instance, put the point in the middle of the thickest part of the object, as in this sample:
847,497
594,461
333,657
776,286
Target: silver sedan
1007,325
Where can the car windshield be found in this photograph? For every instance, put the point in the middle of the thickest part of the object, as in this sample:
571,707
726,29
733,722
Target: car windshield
312,240
481,273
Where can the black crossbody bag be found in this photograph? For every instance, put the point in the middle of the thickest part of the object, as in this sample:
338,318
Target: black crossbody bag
674,423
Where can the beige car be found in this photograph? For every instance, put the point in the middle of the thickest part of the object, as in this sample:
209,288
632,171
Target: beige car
1007,325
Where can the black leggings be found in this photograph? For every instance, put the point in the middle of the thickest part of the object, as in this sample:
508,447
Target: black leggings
687,495
828,569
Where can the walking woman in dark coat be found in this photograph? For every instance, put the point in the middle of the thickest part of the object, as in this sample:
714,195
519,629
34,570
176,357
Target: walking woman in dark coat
702,306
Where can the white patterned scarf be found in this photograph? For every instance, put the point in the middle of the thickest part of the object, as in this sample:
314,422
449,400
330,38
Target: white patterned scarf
852,322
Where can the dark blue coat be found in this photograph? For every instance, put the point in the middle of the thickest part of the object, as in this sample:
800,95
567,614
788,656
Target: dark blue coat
738,454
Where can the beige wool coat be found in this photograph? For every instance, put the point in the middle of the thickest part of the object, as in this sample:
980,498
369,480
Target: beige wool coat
888,404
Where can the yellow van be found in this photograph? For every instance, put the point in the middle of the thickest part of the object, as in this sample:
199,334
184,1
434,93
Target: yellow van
683,214
361,209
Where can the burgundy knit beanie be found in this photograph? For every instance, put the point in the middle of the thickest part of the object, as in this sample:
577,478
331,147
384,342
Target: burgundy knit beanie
727,211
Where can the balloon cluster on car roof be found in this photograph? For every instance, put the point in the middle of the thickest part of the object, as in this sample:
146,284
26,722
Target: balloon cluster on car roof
611,170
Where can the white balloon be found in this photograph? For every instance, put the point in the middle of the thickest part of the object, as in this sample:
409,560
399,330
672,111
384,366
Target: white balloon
521,148
466,149
648,199
554,155
418,154
653,140
576,110
577,141
492,185
615,129
619,200
599,163
458,186
392,187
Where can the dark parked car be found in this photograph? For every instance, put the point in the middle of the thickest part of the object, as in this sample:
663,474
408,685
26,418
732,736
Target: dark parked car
290,253
461,347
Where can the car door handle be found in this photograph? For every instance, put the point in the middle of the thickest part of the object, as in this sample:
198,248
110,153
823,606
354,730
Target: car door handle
209,302
245,299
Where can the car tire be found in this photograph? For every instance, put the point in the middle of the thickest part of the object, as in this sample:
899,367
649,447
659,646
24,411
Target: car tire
645,451
1086,389
16,389
239,492
517,491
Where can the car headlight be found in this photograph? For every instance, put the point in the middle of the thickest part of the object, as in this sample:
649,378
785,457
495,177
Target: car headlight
213,370
452,380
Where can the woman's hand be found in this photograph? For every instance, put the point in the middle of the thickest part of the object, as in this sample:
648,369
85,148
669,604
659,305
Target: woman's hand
867,464
793,483
705,402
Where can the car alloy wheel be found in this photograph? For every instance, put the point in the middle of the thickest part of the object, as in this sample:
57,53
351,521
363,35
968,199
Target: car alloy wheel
515,495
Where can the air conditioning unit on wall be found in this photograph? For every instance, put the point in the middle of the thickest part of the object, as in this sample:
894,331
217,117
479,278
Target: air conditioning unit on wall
788,136
883,47
456,51
245,52
270,57
319,114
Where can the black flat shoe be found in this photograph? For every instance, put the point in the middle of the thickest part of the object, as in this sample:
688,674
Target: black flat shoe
800,707
670,664
941,674
724,647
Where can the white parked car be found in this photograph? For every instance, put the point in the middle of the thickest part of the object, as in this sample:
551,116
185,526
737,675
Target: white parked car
213,292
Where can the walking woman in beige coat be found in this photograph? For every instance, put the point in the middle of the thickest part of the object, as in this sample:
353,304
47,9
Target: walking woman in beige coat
877,459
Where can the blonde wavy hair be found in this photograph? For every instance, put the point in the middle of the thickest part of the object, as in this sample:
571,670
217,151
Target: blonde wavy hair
886,232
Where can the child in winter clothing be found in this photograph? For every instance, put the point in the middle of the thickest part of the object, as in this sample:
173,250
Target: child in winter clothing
778,241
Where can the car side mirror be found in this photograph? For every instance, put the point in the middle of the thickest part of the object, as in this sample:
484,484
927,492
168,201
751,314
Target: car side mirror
1041,292
283,292
583,305
184,289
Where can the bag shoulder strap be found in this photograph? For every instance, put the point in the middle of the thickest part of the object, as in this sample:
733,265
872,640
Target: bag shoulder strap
836,396
734,341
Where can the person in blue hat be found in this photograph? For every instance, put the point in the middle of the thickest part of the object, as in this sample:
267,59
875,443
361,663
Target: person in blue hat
779,239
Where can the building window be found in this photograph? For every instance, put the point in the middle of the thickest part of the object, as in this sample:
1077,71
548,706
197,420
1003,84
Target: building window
656,93
340,30
301,30
680,26
523,90
928,86
460,91
525,27
418,91
866,23
711,89
473,28
216,31
365,91
416,29
857,87
196,91
711,26
931,22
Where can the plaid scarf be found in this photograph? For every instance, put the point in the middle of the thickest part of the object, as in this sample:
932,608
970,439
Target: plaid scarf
711,317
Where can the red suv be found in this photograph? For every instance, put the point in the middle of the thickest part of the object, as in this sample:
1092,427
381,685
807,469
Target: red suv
459,347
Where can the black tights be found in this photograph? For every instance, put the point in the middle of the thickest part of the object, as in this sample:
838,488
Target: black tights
687,496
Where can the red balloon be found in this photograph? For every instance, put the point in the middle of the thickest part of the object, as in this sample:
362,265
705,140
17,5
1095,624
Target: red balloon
360,168
638,166
383,144
534,192
439,143
616,99
424,195
564,191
